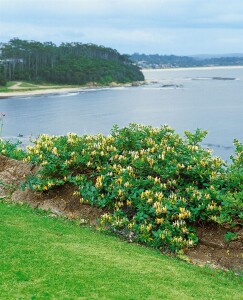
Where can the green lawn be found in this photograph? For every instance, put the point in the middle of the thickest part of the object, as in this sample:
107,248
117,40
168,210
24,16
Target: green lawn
7,87
29,86
50,258
37,86
10,83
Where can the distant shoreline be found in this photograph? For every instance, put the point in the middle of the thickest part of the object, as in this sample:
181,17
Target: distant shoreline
194,68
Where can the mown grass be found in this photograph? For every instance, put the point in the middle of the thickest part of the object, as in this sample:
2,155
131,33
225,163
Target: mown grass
31,86
35,86
7,87
50,258
28,85
10,83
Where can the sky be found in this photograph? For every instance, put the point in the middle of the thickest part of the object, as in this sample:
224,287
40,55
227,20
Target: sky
180,27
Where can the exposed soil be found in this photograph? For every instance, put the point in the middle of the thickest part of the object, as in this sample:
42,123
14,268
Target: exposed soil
59,201
212,248
215,251
12,173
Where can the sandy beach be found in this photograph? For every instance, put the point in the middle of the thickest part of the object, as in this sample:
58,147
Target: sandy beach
4,95
41,91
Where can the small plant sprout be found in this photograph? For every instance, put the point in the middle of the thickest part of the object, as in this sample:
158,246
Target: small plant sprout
230,236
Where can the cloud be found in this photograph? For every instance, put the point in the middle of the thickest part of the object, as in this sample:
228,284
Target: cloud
162,26
169,13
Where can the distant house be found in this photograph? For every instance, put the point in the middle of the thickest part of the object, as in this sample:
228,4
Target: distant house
11,60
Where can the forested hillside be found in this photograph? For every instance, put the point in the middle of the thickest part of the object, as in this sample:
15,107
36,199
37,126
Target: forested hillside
69,63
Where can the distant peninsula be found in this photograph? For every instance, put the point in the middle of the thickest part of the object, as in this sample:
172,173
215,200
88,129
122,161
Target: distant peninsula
156,61
69,63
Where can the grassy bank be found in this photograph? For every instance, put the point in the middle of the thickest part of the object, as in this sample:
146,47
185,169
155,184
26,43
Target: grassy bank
46,258
16,89
24,86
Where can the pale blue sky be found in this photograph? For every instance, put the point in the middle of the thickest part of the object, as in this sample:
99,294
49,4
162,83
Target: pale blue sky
147,26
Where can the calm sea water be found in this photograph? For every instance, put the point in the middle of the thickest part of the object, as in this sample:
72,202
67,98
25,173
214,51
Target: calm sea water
183,99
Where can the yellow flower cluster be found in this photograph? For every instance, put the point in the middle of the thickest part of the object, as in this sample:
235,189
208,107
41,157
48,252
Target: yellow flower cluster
159,209
99,181
213,206
183,213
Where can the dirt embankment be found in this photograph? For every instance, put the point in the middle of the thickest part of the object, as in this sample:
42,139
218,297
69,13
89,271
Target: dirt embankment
59,201
212,248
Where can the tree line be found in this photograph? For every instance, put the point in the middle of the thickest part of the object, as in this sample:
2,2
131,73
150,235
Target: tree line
68,63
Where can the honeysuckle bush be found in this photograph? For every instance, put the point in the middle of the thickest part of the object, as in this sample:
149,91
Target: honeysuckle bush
12,149
155,184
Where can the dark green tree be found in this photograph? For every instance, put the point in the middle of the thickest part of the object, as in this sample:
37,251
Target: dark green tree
69,63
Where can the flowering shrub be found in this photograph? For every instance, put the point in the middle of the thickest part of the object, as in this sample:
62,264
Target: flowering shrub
155,184
11,149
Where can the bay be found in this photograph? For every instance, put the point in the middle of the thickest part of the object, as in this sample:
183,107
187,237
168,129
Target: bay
185,99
